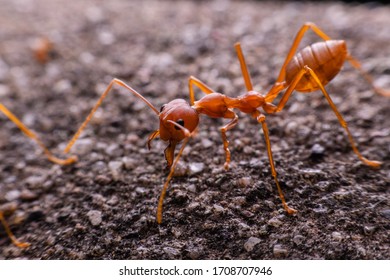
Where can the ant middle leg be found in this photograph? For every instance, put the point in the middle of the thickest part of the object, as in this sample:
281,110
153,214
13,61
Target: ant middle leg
261,119
231,115
343,123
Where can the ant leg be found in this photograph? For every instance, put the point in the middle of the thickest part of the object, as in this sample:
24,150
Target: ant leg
244,67
231,115
356,64
297,40
192,81
342,122
261,119
99,102
10,234
34,137
153,135
279,84
188,135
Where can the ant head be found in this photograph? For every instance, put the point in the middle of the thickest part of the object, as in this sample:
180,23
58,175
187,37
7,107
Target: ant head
181,112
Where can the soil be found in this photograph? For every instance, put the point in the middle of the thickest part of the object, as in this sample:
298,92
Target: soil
103,207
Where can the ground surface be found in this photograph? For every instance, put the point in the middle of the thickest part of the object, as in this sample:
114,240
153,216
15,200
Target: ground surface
344,208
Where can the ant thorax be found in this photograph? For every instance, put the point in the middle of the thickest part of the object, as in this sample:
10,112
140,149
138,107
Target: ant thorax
249,102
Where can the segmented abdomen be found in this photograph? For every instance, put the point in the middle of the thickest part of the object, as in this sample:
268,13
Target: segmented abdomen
324,58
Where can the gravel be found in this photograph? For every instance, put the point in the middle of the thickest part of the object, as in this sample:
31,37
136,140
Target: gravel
103,206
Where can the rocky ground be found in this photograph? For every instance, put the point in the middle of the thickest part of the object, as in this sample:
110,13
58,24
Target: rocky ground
103,207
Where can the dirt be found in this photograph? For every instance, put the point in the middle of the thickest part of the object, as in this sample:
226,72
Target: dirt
103,207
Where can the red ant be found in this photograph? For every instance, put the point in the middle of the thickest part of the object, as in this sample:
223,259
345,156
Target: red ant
306,71
309,70
43,49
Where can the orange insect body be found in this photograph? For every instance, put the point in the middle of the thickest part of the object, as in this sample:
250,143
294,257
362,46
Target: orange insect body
324,58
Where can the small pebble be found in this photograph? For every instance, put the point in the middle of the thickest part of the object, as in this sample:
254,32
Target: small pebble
275,222
35,181
196,167
129,163
337,236
12,195
114,150
342,195
385,213
115,168
251,243
28,195
279,251
180,170
106,37
317,150
244,182
298,239
194,253
113,200
193,205
369,230
8,207
95,217
218,208
206,143
4,90
83,146
63,87
291,127
172,253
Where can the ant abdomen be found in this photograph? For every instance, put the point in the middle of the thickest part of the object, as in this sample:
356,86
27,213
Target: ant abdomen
180,112
324,58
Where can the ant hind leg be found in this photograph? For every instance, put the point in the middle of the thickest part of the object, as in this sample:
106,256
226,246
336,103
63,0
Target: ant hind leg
34,137
356,64
343,123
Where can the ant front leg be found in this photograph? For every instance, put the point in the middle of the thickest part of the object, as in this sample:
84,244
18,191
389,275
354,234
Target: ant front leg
34,137
343,123
231,115
192,81
15,241
261,119
188,135
99,102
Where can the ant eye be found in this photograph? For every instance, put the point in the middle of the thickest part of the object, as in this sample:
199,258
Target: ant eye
162,108
181,122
